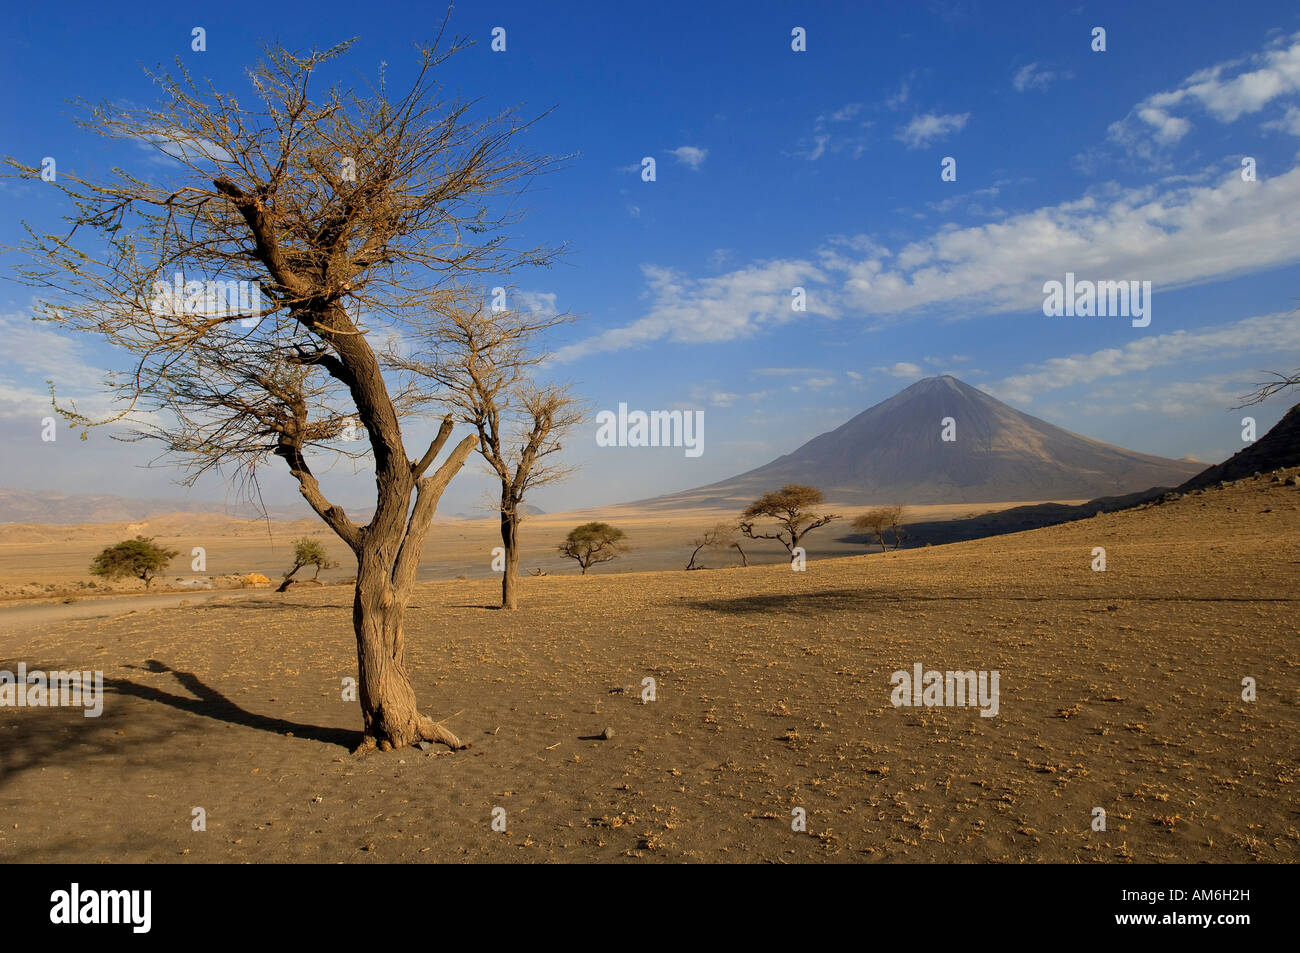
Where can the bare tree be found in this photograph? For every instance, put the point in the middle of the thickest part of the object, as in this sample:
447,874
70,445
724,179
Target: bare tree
788,507
1266,389
342,217
744,560
718,536
484,359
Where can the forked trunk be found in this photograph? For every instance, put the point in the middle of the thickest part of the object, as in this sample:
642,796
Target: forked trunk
388,709
388,557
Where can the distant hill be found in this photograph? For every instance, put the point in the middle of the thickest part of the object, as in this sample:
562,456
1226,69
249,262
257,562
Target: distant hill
893,452
1278,448
31,506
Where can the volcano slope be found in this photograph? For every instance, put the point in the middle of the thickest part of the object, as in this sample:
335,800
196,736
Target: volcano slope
896,451
1120,690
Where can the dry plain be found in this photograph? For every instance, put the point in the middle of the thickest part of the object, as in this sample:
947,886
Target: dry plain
1119,689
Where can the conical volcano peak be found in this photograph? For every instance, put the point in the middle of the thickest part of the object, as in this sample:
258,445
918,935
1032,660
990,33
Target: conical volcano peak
940,440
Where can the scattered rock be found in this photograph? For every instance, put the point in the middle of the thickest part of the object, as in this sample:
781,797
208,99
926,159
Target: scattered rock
607,734
424,745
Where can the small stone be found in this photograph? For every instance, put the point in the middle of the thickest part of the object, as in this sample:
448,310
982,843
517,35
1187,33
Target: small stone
607,734
424,745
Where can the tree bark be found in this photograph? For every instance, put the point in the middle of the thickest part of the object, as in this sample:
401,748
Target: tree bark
510,541
388,555
691,565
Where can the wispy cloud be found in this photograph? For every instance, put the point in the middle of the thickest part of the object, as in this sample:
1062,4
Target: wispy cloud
1174,236
930,127
1266,335
722,308
1033,76
690,156
1224,92
836,131
902,369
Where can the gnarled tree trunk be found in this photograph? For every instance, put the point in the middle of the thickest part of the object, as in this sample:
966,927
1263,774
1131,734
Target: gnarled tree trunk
510,542
388,554
388,708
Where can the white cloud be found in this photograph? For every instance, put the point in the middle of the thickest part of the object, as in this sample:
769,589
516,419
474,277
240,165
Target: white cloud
902,369
970,203
1174,236
785,371
723,308
818,150
930,127
899,99
1033,77
692,156
1289,123
1225,92
540,302
844,139
1268,334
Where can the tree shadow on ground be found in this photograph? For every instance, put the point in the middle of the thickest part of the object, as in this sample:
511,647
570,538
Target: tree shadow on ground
210,703
32,738
853,600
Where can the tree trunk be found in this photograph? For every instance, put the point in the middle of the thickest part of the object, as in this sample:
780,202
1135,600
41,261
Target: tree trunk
510,541
691,565
388,556
744,560
388,709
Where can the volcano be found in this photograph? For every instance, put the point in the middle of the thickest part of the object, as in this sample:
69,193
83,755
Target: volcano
894,452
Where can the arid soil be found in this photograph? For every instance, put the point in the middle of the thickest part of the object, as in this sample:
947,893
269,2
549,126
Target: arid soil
1119,690
50,563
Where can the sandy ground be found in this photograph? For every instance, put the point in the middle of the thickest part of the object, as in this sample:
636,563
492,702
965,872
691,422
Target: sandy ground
50,562
1119,689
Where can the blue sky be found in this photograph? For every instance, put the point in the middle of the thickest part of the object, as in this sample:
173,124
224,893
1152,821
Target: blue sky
778,168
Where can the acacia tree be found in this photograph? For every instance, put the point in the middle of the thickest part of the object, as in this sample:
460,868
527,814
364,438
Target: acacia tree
593,543
484,358
875,522
788,506
139,558
345,216
307,552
